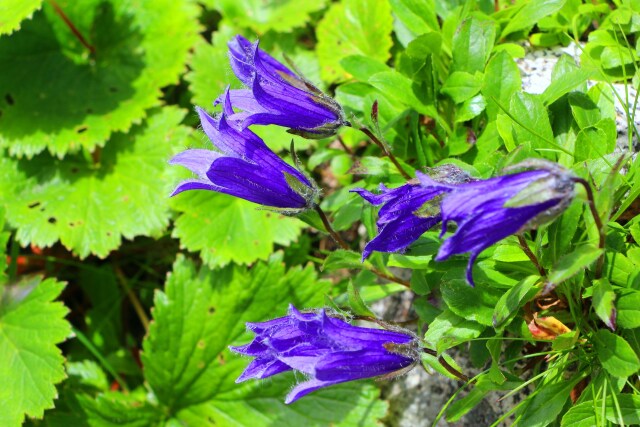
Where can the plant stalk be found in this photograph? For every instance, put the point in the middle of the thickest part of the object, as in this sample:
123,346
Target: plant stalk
596,218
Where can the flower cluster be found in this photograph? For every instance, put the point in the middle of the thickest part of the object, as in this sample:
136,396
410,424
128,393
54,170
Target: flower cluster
244,166
485,211
326,349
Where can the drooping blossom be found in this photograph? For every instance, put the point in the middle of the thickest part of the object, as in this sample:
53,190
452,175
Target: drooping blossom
275,95
409,210
487,211
244,167
327,350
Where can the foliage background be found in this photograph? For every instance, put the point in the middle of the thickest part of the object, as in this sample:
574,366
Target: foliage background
118,303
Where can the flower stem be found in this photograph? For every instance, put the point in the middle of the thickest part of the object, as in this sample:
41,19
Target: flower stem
71,26
137,306
385,149
344,245
596,218
532,256
453,371
327,225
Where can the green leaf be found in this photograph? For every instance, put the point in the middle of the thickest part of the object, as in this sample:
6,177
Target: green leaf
90,205
471,108
603,299
615,354
531,122
210,69
356,303
571,264
471,303
472,45
191,371
362,67
353,27
501,80
399,87
513,299
629,309
227,229
461,86
13,12
341,258
117,409
31,325
564,84
545,406
280,16
587,414
530,14
448,330
418,16
139,48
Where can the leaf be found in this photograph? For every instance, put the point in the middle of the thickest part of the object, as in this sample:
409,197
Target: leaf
227,229
90,206
448,330
471,108
399,87
418,17
118,409
471,303
629,309
571,264
603,299
461,86
564,84
513,299
13,12
615,354
31,325
545,406
356,303
353,27
531,122
210,70
501,80
585,413
341,258
472,45
280,16
530,14
139,48
362,67
191,371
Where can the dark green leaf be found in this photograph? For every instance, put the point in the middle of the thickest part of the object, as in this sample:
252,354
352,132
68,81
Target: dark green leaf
615,354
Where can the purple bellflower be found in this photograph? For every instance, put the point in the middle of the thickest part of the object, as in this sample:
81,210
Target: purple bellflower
244,167
409,210
326,349
275,95
487,211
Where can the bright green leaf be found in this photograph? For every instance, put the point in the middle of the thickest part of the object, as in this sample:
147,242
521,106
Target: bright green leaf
31,325
629,309
603,302
530,14
545,406
571,264
13,12
448,330
513,299
472,45
90,205
461,86
501,80
471,303
353,27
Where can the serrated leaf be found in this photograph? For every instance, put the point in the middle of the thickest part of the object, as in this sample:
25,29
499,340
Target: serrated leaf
13,12
191,371
261,16
353,27
615,354
31,325
90,206
139,48
226,229
117,409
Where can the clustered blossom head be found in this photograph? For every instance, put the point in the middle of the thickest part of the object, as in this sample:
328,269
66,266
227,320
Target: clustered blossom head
275,95
244,167
327,350
485,211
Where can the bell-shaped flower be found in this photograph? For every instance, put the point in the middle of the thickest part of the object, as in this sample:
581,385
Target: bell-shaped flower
244,167
327,350
409,210
486,211
275,95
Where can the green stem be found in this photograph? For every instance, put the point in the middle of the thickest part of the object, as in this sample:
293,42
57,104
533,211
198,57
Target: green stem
385,149
597,220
